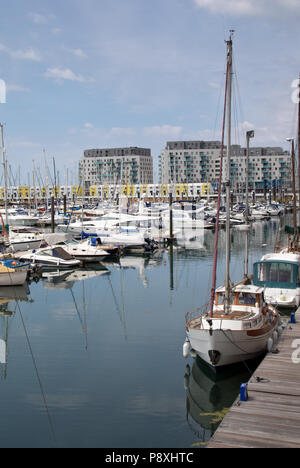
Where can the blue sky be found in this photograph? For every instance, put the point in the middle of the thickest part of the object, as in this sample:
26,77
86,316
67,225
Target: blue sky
109,73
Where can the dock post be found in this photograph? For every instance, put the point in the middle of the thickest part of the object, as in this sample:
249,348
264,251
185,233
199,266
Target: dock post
171,217
52,214
65,205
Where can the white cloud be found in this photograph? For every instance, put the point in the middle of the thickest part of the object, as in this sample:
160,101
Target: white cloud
78,53
37,18
214,85
167,131
17,88
28,54
56,31
249,7
25,144
60,74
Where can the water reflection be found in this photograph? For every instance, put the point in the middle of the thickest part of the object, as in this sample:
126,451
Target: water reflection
209,395
9,296
115,323
66,279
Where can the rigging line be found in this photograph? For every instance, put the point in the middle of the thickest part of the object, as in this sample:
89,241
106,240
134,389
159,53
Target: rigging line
115,299
237,346
38,377
117,306
219,100
79,316
215,261
236,120
236,81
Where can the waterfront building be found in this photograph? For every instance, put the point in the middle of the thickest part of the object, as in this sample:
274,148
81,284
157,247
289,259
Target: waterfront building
110,166
199,162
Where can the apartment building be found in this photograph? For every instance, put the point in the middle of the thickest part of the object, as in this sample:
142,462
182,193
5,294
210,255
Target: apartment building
110,166
199,162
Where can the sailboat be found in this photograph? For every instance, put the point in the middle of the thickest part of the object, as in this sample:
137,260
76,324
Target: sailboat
238,325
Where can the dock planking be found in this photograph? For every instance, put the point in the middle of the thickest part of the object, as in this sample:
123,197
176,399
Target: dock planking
270,418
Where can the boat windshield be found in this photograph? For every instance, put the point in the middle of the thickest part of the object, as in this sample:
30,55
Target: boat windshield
276,274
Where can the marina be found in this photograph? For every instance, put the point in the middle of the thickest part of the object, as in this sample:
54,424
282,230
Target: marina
73,336
150,227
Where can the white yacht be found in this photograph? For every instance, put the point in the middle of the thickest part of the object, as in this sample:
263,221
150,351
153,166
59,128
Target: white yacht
50,257
24,238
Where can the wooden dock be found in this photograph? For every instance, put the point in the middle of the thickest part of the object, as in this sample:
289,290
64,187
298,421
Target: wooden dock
270,418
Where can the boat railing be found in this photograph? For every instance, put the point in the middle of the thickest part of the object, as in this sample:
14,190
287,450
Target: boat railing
197,313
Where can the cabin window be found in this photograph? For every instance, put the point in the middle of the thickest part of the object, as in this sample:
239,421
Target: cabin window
275,272
247,299
281,273
220,300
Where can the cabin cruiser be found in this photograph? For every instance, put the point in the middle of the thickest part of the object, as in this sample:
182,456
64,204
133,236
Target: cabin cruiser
84,251
50,257
278,274
24,238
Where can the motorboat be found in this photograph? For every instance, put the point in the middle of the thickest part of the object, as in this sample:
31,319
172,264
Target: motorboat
84,251
50,257
24,238
278,274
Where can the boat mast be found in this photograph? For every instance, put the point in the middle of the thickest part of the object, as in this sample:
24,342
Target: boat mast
4,173
214,275
227,183
249,134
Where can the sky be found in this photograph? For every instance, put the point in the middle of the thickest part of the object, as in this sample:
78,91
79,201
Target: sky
113,73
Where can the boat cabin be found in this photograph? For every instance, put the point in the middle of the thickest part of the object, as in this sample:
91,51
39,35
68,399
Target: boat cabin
245,299
278,271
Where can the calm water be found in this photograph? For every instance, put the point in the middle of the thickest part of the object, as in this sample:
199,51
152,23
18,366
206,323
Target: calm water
98,362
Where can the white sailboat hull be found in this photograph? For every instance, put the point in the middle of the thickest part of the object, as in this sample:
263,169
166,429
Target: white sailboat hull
229,346
16,278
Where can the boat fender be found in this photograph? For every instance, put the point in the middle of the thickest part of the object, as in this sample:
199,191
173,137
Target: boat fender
186,348
270,344
293,318
244,392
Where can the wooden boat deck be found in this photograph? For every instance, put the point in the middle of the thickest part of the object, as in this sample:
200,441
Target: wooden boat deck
270,418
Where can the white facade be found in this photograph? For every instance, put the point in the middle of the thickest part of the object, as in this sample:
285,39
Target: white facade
199,161
116,166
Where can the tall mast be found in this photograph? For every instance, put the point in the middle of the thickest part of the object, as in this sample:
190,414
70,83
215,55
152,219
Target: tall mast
227,183
4,173
249,134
